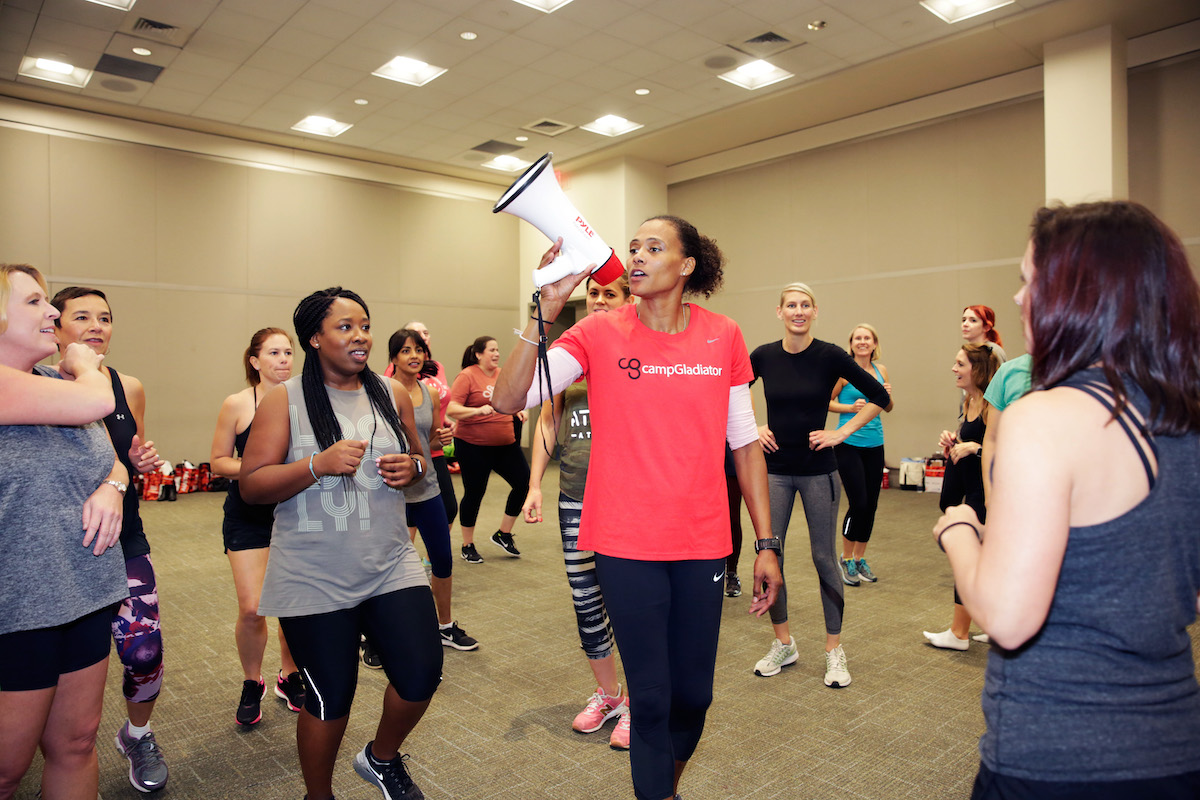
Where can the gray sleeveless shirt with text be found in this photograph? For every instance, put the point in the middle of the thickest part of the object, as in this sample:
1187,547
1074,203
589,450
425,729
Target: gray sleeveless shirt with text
342,540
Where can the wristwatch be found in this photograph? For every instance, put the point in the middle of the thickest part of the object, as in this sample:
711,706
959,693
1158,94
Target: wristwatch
768,544
120,487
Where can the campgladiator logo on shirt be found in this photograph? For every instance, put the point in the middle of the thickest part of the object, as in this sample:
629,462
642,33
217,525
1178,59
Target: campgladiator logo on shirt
637,369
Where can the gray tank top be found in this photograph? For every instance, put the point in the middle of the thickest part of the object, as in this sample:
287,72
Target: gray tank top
423,414
342,540
1107,690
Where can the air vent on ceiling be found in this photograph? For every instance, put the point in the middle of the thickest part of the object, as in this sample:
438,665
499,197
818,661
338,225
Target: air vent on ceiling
492,147
158,31
764,45
128,68
547,127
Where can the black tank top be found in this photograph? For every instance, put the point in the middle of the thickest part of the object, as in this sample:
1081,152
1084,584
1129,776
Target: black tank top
235,506
122,427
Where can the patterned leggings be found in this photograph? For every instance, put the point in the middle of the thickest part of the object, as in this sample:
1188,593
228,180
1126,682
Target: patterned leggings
595,632
135,630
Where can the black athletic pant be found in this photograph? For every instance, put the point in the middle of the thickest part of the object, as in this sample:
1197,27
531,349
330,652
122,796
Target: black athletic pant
861,469
666,616
478,462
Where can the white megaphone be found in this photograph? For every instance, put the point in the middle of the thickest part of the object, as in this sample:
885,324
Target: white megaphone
537,198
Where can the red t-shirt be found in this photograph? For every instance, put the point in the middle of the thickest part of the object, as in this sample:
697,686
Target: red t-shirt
659,407
438,385
473,388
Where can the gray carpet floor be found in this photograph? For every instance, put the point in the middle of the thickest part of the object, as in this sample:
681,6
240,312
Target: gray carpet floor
499,727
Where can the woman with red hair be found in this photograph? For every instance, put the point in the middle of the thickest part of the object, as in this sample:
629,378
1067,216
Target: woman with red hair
979,327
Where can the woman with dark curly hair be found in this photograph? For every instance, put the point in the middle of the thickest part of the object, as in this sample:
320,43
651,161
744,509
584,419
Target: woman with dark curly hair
659,528
1087,573
333,448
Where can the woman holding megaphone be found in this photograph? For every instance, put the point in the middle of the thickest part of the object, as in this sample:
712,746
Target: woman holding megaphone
660,557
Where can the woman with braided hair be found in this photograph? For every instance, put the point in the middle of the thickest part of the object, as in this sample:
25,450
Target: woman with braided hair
333,448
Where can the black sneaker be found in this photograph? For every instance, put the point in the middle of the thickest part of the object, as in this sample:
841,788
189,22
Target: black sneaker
470,555
505,542
390,776
457,638
290,689
249,710
370,658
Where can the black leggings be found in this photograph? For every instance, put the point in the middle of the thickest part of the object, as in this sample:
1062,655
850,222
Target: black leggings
666,616
994,786
402,627
478,462
861,469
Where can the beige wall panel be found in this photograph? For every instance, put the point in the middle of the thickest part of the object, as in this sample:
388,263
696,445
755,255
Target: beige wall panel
1164,158
102,209
992,211
202,221
25,201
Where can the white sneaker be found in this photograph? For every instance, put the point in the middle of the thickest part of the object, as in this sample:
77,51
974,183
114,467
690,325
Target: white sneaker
982,638
947,640
836,674
779,656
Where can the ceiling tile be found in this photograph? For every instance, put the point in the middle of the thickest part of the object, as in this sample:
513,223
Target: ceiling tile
188,81
731,25
237,25
193,63
312,90
219,46
290,39
224,110
417,18
327,72
87,14
279,61
642,28
328,22
275,10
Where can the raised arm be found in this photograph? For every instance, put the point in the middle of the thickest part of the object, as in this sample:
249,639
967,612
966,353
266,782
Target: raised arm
516,377
86,396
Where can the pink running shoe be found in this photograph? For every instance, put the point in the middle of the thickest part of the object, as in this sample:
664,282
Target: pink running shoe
620,735
599,710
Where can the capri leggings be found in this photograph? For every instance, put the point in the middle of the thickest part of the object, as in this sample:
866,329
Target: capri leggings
446,488
820,495
954,491
401,625
478,462
136,634
861,470
429,518
595,632
667,617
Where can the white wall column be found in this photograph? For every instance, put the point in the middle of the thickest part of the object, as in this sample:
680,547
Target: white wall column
1086,117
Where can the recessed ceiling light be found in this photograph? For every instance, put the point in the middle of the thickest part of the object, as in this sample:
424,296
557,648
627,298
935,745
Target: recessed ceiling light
123,5
506,163
142,51
46,69
361,101
409,70
641,92
469,36
322,126
817,25
522,138
755,75
957,10
611,125
548,6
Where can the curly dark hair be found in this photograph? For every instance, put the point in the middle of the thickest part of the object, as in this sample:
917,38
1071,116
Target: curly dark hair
709,273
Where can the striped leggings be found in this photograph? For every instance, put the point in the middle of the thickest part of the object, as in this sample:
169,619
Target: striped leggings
595,632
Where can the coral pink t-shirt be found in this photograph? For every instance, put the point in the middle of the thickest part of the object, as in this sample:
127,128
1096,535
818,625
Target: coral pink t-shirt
659,407
473,388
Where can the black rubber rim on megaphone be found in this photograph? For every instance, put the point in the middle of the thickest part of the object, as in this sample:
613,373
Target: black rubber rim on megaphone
514,191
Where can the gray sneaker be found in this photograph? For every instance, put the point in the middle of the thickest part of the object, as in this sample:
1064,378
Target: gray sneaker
849,569
864,571
391,777
147,769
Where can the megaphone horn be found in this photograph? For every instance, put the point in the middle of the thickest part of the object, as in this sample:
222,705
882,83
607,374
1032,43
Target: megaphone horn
537,198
